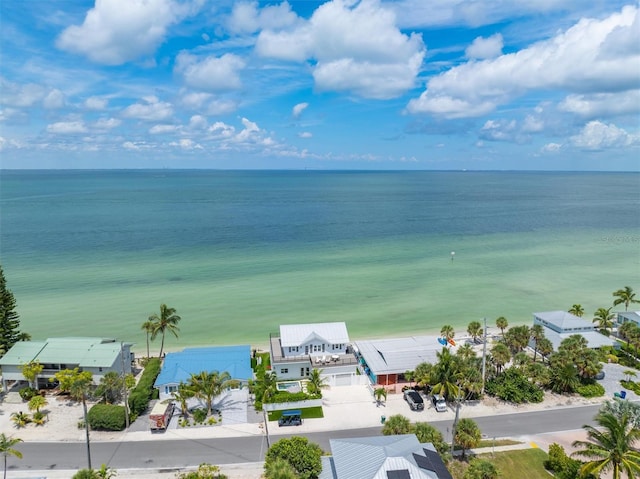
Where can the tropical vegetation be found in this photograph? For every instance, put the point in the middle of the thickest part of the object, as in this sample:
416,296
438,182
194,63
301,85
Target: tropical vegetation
303,457
625,296
9,318
7,448
166,321
467,434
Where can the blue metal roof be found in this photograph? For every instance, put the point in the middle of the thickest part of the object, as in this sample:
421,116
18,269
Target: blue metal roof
178,367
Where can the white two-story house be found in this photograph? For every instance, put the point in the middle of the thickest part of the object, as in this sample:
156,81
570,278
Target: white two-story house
299,348
559,325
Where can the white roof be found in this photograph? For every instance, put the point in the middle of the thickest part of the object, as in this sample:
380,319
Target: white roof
397,355
564,321
298,334
594,338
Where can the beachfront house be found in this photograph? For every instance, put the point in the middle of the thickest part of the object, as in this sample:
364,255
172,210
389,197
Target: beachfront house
628,316
178,367
96,355
384,361
378,457
299,348
559,325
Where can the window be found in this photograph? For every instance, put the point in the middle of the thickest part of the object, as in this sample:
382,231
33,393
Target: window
301,371
100,369
284,371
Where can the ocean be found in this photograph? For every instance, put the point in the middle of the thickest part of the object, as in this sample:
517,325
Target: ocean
237,253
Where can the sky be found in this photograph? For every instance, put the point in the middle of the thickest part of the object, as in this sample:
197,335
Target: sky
340,84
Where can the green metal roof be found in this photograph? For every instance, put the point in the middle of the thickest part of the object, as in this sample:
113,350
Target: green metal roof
83,352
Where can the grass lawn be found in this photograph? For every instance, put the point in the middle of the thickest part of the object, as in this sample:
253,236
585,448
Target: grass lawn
510,464
307,413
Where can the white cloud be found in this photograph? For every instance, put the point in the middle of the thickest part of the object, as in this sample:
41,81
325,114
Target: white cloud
107,123
198,122
118,31
305,134
596,135
16,95
246,18
298,109
186,144
221,107
67,127
53,100
96,103
357,46
211,73
603,104
551,148
163,129
498,130
483,48
532,124
582,59
151,110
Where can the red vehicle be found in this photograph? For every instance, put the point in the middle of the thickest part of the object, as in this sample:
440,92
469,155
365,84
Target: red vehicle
160,416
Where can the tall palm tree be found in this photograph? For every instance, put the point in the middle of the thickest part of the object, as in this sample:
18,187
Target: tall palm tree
208,385
182,395
502,323
577,310
475,330
447,331
537,333
380,395
500,355
545,347
625,296
610,447
7,449
445,375
467,434
148,328
604,317
80,388
167,321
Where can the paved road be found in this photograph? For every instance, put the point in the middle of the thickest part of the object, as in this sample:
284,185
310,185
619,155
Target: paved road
168,454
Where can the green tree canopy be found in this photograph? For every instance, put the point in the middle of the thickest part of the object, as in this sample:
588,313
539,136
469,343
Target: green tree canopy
576,310
474,329
207,385
396,424
467,434
7,448
502,323
625,296
481,469
302,455
31,371
9,318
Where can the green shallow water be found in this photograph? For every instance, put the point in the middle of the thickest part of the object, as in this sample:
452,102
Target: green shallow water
379,288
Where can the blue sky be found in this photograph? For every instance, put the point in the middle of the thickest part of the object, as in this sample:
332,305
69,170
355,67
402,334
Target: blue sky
341,84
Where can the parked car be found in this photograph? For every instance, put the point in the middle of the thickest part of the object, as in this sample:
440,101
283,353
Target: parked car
439,403
290,418
414,400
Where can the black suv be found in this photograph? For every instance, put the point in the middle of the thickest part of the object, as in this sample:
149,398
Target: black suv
414,400
290,418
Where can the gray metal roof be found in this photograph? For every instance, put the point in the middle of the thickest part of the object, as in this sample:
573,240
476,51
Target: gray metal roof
297,334
397,355
594,338
372,457
564,321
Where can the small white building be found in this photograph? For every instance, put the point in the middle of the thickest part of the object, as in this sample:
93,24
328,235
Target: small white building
299,348
96,355
559,325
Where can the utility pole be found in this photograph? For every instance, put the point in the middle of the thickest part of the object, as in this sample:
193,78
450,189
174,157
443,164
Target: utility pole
455,422
266,425
484,356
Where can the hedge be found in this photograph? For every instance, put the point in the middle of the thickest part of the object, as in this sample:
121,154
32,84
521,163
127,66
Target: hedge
144,390
106,417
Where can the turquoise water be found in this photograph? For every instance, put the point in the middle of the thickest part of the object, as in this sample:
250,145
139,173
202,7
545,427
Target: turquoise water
239,253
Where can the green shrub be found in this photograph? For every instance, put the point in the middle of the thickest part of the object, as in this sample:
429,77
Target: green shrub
199,415
632,386
106,417
27,393
562,466
85,474
514,387
144,390
591,390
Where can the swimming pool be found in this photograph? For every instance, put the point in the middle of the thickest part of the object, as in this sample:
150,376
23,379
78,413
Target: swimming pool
290,386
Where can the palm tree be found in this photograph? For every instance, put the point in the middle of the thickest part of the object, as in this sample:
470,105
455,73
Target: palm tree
317,382
208,385
502,323
148,327
481,469
604,317
80,388
167,321
7,449
182,395
500,355
625,296
545,347
379,394
610,447
37,402
395,425
445,375
577,310
475,330
447,332
279,468
537,333
467,434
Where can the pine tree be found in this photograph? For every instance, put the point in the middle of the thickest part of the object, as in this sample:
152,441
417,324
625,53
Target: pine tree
9,318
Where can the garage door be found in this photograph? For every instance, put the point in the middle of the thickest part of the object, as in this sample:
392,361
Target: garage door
343,379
